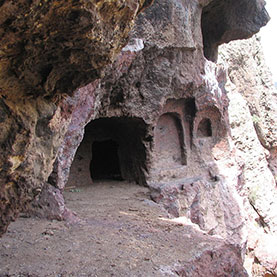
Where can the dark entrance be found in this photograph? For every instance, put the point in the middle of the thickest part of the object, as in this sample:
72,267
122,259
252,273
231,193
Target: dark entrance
112,148
205,128
105,161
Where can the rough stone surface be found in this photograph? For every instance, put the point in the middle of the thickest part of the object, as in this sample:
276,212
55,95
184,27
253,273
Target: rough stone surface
266,254
193,166
198,200
255,171
225,20
216,262
252,115
176,122
47,50
56,46
249,73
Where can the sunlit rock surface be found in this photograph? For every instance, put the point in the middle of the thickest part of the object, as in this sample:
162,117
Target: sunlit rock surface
253,122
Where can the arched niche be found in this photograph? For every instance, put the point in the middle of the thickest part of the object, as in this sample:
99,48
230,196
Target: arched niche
204,128
208,123
169,148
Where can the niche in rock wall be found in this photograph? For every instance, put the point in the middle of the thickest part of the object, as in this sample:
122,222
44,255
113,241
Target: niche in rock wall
190,109
112,148
208,123
204,128
169,142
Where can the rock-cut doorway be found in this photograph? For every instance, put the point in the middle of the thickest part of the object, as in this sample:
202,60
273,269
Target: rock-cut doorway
112,149
105,160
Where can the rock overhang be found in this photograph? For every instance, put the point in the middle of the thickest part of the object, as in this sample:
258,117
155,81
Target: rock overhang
47,50
227,20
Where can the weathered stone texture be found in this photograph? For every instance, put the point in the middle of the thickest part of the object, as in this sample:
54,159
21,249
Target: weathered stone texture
56,46
249,73
47,50
163,78
227,20
211,262
160,101
253,117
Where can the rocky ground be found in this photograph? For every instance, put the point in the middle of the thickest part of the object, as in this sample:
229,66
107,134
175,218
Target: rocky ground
121,232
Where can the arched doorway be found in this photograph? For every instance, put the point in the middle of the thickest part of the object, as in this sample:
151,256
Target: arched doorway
112,148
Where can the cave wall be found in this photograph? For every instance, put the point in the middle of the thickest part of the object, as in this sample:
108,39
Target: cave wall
80,167
163,63
47,50
162,71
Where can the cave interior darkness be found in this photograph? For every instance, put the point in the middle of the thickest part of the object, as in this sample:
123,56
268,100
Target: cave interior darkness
105,161
117,149
204,128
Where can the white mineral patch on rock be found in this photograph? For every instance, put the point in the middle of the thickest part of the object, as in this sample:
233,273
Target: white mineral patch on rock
134,45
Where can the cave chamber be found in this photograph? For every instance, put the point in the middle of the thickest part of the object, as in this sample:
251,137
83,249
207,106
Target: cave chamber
112,149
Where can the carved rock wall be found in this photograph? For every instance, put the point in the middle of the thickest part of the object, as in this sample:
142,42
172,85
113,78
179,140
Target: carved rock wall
162,77
161,101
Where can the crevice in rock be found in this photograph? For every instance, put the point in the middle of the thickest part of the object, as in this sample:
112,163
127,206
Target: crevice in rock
146,4
260,220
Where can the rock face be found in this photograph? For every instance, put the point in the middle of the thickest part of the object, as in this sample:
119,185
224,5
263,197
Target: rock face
252,115
47,50
222,21
165,116
55,47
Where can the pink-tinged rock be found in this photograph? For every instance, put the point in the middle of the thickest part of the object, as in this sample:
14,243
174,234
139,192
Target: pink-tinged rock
50,204
218,262
272,160
206,204
266,253
252,116
48,50
82,106
70,217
